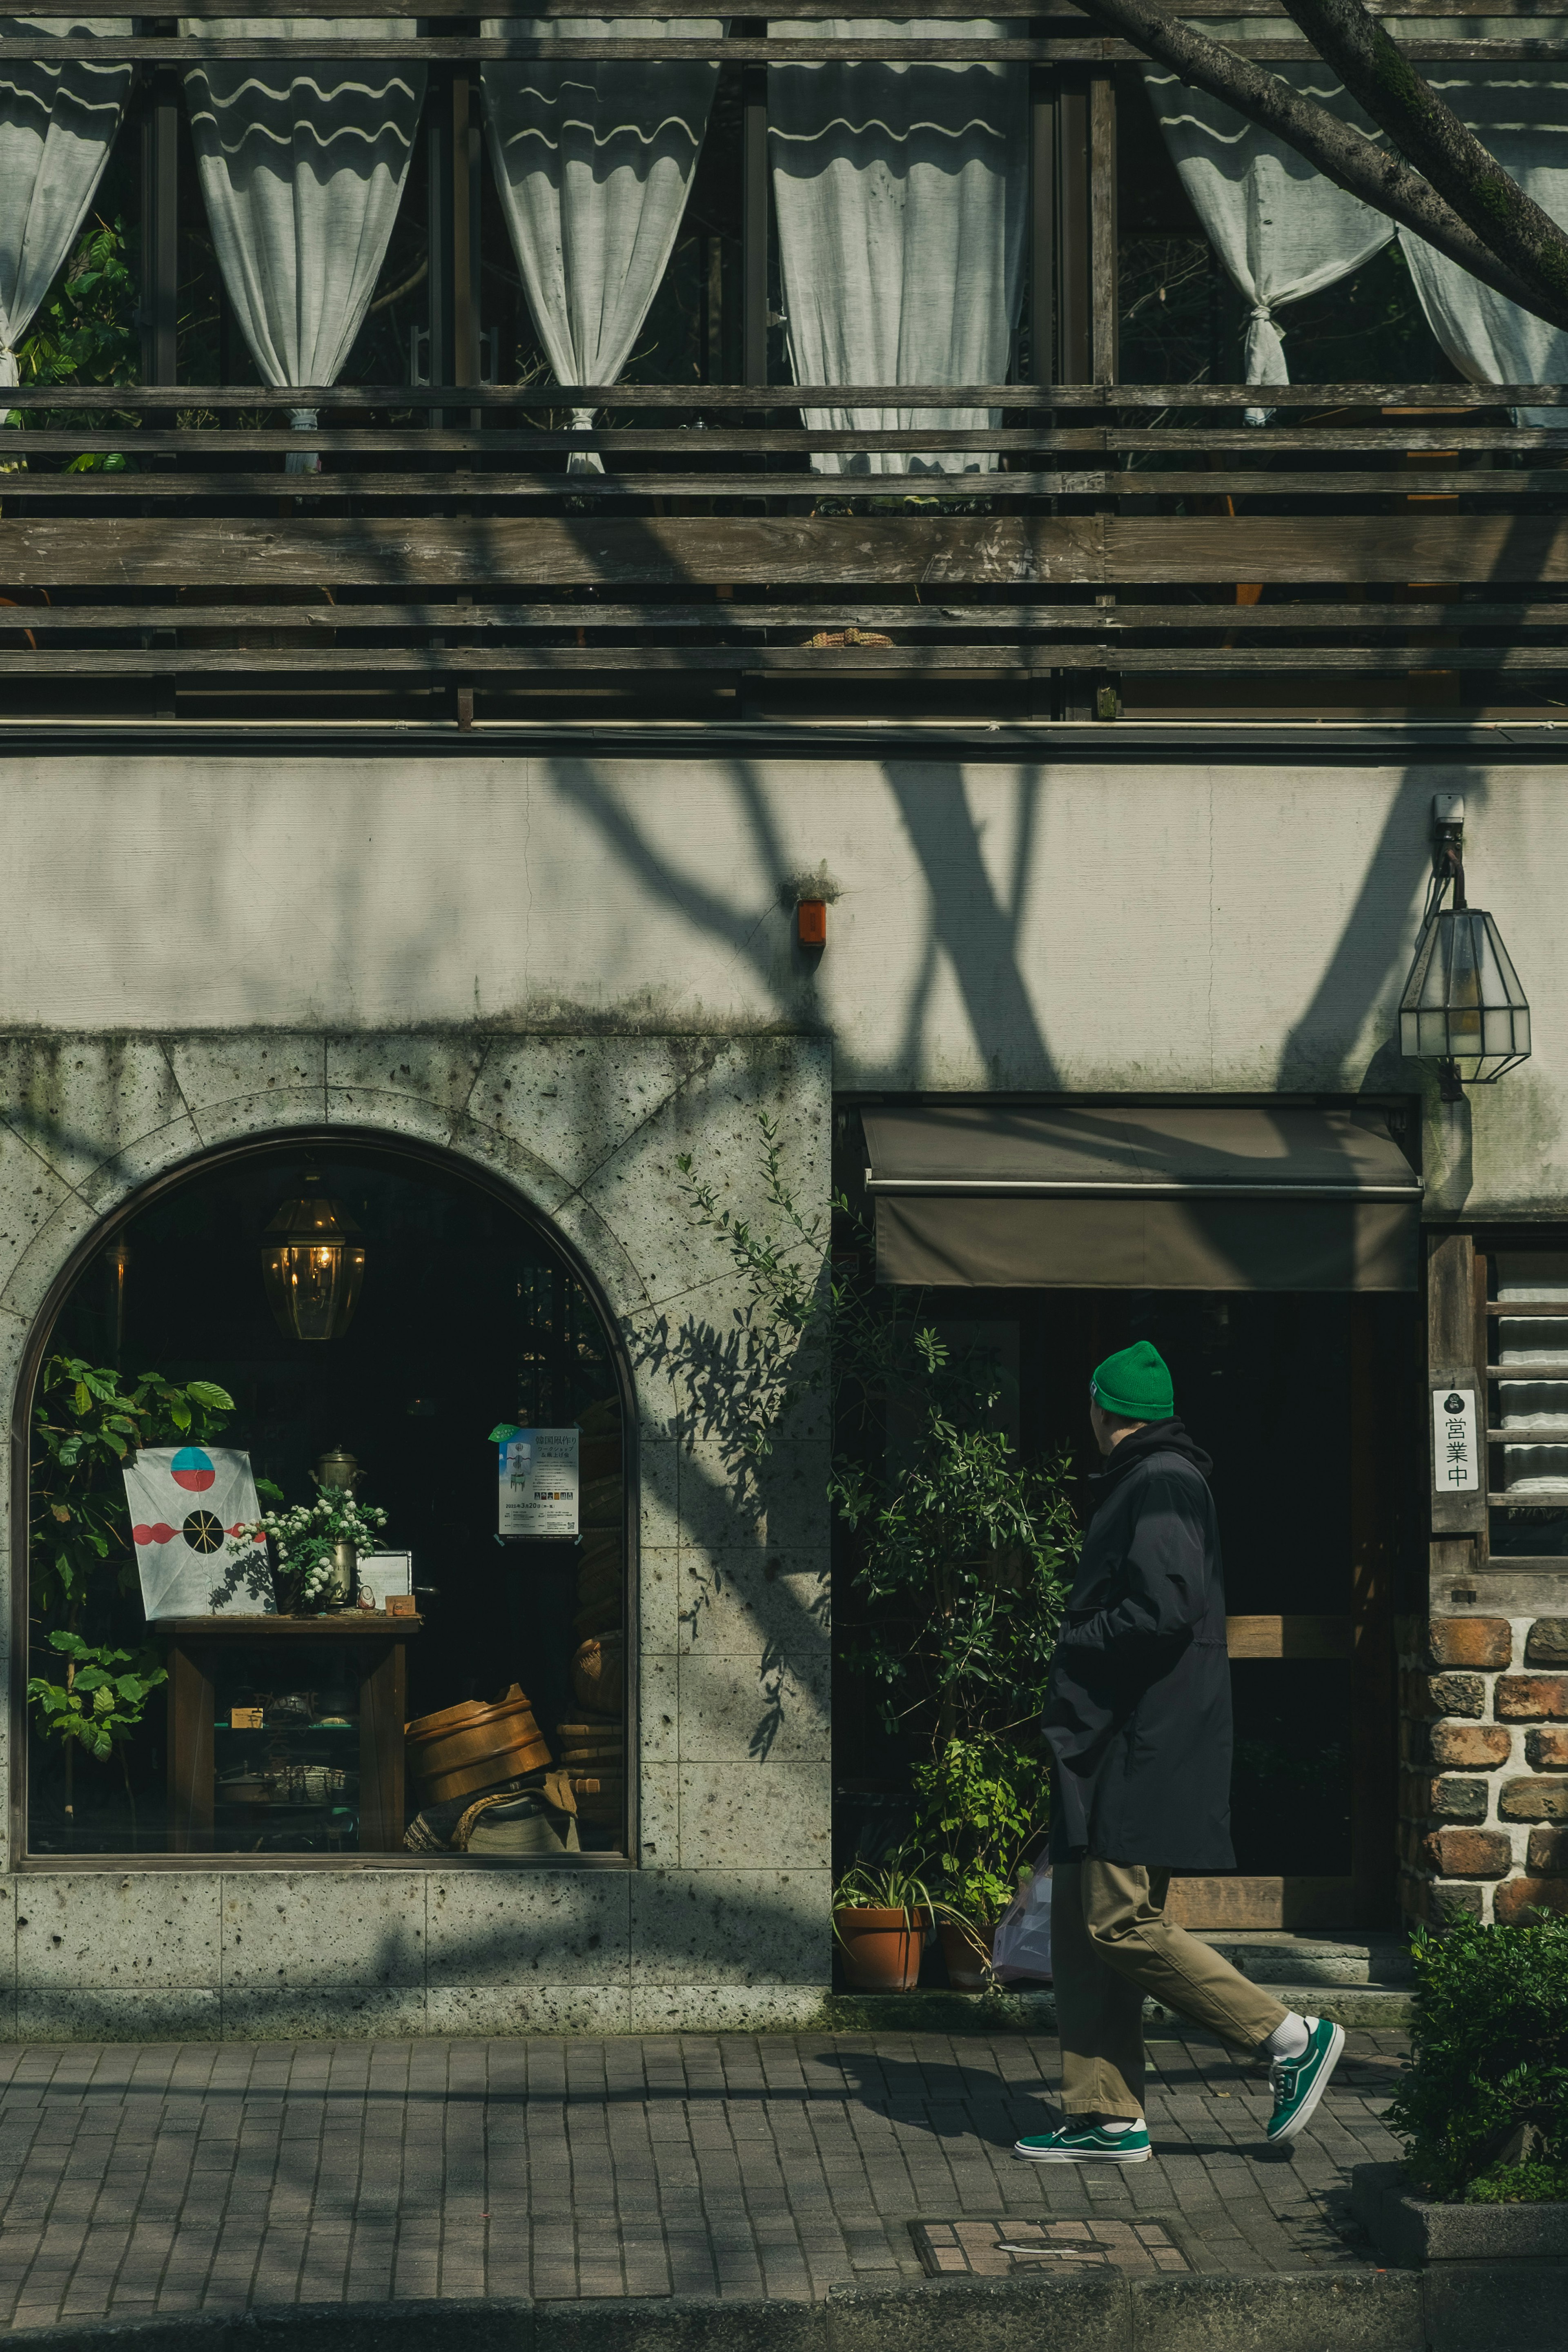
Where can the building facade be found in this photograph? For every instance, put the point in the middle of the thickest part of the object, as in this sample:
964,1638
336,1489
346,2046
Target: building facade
391,809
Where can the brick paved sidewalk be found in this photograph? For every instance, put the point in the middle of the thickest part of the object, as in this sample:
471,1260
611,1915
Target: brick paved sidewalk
146,2178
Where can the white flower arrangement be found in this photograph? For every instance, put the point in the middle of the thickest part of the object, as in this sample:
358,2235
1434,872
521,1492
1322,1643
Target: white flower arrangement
303,1536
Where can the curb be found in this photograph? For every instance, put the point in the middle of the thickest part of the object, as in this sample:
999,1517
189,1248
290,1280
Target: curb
1379,2008
1459,2307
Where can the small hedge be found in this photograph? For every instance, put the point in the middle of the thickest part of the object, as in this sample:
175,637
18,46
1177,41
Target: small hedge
1483,2108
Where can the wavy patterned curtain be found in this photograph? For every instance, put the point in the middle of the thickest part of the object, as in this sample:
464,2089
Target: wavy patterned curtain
593,162
1521,112
1281,229
1283,232
302,166
900,193
57,123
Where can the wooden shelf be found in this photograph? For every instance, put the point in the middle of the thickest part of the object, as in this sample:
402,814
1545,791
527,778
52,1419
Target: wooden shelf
195,1645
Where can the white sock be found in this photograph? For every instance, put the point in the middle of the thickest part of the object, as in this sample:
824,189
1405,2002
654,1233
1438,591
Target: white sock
1120,2124
1289,2040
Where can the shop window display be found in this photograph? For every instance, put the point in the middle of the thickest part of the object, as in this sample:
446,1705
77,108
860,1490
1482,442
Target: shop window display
328,1527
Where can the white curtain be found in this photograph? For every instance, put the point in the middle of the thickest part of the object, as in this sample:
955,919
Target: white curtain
57,123
1281,229
302,166
593,162
900,192
1521,113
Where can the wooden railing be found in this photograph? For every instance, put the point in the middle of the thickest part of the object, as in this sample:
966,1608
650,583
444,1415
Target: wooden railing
1129,532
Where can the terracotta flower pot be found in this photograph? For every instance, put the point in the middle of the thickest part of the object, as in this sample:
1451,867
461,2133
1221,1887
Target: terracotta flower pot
881,1948
967,1968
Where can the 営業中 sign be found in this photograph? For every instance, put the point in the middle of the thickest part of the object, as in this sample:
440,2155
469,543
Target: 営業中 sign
538,1472
1455,1456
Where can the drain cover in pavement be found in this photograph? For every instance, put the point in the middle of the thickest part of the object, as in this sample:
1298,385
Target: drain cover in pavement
1006,2249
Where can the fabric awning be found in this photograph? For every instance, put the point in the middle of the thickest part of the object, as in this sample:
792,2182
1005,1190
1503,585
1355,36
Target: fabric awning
1141,1197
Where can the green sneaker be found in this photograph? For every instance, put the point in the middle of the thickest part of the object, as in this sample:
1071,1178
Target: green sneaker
1298,2084
1093,2146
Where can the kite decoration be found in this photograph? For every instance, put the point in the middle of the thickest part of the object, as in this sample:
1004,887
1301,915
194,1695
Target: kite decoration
185,1502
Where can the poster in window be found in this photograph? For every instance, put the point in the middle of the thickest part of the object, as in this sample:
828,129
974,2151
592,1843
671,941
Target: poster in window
538,1482
185,1502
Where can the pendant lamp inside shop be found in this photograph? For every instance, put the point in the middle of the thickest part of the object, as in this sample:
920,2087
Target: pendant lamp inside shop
406,1628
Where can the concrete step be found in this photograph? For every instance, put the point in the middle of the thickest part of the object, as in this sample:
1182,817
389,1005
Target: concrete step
1276,1956
1384,2008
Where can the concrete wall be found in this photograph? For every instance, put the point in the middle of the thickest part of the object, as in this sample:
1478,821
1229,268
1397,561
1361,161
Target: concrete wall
726,1922
568,971
1042,927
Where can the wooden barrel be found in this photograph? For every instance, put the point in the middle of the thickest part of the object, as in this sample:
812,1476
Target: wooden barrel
597,1674
474,1746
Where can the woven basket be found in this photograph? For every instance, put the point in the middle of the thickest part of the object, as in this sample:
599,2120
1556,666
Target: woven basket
474,1746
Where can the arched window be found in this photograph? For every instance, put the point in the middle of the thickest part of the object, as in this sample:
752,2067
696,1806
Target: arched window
457,1686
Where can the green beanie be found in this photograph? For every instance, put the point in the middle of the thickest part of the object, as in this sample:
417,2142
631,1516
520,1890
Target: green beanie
1134,1385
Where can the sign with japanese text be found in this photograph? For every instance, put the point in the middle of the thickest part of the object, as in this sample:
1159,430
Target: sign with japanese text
1455,1454
539,1483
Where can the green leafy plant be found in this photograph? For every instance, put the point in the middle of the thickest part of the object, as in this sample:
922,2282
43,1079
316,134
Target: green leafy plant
981,1804
962,1548
85,332
86,1427
102,1697
1486,2090
1520,2184
304,1537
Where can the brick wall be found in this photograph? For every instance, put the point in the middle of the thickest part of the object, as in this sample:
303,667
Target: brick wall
1483,1796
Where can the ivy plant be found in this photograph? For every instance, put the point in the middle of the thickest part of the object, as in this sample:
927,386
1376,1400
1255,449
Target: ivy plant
86,1426
102,1697
962,1548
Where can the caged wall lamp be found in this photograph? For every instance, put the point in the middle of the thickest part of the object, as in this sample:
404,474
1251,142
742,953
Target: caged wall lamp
1463,1006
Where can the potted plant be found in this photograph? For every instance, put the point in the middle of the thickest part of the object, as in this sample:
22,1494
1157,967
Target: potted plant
1483,2107
311,1542
981,1811
883,1913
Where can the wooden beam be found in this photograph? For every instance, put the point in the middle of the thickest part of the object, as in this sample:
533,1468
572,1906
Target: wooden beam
1493,549
831,553
489,489
428,550
1441,399
922,622
1088,48
1260,1902
1287,1637
993,663
201,444
1061,11
1102,268
1452,1361
754,202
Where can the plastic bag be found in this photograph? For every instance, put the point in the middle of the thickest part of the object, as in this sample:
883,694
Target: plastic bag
1023,1945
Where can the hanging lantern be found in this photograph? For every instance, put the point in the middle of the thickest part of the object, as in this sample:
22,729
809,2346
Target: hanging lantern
1463,1006
312,1263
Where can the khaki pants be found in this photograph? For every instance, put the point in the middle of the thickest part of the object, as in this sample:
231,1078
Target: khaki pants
1109,1945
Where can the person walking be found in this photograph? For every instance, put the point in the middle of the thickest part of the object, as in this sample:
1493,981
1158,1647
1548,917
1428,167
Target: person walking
1137,1718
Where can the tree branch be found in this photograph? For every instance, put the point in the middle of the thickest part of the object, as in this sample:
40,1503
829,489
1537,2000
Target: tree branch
1430,135
1345,156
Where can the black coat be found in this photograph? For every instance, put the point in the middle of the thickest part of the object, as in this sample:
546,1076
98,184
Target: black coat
1137,1713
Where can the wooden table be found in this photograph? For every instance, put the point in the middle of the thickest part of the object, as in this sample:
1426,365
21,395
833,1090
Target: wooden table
194,1647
